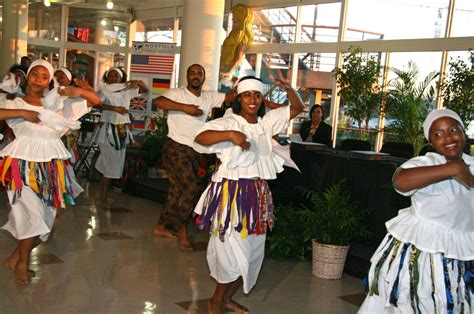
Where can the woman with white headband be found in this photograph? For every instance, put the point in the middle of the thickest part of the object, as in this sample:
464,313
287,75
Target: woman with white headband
237,204
425,264
114,132
33,167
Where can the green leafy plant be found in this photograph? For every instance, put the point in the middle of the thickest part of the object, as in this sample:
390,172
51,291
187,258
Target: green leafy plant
407,103
286,240
358,79
458,89
154,140
333,218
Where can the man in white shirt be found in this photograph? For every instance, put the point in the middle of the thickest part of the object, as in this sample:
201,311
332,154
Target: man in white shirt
188,108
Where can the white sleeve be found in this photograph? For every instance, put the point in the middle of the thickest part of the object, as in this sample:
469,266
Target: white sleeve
420,161
173,94
133,92
221,124
218,99
75,107
9,104
277,120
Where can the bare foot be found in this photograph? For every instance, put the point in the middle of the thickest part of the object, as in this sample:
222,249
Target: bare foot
22,275
213,308
236,307
161,231
183,241
12,260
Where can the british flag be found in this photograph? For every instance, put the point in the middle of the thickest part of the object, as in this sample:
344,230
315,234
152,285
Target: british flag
138,104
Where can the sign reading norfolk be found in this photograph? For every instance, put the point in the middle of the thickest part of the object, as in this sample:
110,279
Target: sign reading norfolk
142,48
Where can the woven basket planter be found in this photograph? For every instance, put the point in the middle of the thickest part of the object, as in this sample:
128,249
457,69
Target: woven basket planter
328,260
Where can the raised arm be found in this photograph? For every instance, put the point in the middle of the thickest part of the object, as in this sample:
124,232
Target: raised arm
137,84
415,178
167,104
211,137
88,94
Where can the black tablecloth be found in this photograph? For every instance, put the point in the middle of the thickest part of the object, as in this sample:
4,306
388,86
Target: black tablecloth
368,179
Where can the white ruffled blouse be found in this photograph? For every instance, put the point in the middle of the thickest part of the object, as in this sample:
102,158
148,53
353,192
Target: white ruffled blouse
117,95
41,142
259,161
441,217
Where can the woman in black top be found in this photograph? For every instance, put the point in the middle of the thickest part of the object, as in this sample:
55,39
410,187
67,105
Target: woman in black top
315,130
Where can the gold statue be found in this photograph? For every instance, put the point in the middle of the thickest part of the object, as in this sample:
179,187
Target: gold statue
238,41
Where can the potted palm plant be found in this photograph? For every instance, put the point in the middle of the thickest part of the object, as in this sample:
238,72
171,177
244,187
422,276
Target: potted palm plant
332,221
407,104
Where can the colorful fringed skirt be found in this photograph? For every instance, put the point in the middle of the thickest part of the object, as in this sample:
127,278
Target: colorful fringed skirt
403,279
238,214
35,190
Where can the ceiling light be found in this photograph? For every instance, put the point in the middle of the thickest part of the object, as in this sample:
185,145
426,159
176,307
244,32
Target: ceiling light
110,5
46,3
116,28
103,22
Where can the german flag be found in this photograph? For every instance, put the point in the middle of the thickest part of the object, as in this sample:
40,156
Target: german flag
161,85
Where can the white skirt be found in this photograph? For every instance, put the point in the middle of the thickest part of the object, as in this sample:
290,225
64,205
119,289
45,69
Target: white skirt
110,161
236,257
29,216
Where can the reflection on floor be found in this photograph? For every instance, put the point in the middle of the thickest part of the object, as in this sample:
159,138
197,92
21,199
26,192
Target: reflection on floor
101,260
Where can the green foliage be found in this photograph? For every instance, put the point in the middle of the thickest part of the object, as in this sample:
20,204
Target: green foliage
358,82
333,218
154,140
408,103
286,240
458,90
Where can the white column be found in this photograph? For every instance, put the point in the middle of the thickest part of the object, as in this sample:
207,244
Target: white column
14,41
202,39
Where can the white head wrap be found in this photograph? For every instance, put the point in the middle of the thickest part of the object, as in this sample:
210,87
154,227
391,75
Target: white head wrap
120,72
435,115
250,84
66,72
43,63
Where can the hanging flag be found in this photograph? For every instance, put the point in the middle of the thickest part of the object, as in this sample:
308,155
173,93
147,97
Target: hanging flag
152,64
161,85
138,103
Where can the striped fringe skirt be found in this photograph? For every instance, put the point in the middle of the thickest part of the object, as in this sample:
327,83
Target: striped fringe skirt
116,135
403,279
244,206
50,181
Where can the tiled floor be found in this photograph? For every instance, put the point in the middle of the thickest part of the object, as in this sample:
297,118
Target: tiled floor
107,261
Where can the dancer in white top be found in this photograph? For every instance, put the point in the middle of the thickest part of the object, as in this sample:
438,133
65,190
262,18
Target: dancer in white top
425,264
237,204
33,168
114,132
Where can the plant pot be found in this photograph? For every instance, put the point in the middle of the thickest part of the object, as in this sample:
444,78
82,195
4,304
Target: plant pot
328,260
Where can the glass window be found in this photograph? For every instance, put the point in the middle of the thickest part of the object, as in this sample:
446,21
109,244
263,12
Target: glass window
159,30
275,25
396,19
81,63
463,18
348,127
320,22
44,22
42,52
106,28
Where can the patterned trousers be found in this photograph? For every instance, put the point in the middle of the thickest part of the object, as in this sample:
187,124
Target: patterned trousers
181,163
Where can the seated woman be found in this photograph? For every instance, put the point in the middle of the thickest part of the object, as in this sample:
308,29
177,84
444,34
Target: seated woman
315,130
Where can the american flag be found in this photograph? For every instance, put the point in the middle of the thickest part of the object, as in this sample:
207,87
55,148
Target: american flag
138,104
152,64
